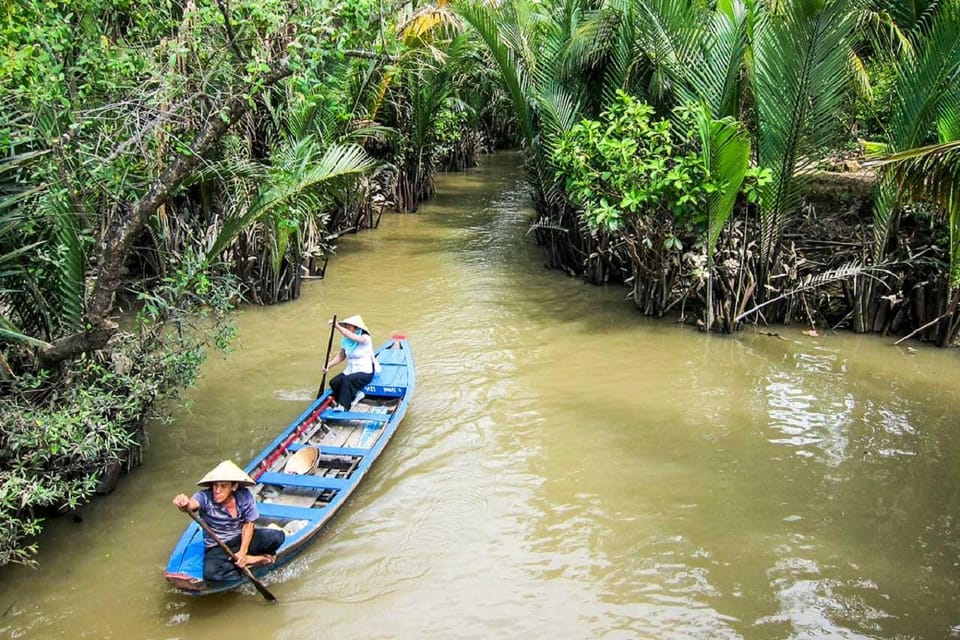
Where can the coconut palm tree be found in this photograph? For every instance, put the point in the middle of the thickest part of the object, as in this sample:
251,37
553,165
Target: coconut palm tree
926,104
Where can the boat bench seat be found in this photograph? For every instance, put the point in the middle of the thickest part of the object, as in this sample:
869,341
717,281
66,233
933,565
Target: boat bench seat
344,451
329,414
384,390
287,512
391,382
302,481
330,451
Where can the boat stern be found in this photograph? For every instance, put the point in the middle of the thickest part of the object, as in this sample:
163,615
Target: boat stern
185,582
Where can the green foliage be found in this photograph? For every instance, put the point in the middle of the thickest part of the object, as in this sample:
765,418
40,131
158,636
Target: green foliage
925,107
726,156
871,114
62,432
628,165
58,54
53,453
800,66
101,101
449,125
302,175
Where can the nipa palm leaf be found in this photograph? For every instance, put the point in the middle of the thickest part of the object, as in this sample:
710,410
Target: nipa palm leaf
799,69
337,163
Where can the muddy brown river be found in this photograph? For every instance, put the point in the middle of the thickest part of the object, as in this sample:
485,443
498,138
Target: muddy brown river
567,469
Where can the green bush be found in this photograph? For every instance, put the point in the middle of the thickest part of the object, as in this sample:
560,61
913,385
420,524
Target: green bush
63,431
53,453
627,168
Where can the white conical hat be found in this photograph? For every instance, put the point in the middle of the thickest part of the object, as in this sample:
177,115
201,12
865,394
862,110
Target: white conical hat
226,471
303,461
356,321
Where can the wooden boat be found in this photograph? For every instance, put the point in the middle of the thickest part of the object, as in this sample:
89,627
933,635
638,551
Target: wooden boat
307,473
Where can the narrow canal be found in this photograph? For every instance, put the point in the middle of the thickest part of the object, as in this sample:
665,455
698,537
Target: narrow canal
568,469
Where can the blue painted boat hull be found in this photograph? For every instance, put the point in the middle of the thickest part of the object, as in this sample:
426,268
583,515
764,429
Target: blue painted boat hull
349,443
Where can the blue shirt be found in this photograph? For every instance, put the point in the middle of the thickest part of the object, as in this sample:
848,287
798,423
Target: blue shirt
226,526
348,345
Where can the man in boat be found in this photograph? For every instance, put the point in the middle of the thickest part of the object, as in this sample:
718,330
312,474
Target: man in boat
228,507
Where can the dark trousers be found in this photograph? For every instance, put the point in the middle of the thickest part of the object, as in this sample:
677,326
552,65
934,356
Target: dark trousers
217,565
345,387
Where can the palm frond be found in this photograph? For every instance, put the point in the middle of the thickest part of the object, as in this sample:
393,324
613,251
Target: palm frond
814,280
861,77
486,22
231,168
670,34
922,83
933,173
801,59
715,71
887,28
948,124
616,37
429,21
726,153
926,94
71,259
559,112
337,163
9,332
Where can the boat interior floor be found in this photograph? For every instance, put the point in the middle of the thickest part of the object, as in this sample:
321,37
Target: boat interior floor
342,439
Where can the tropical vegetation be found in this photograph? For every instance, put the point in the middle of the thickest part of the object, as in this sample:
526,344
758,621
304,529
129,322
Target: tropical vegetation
164,161
797,82
167,160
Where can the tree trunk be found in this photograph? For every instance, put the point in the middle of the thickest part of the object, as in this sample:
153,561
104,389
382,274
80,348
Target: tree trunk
116,244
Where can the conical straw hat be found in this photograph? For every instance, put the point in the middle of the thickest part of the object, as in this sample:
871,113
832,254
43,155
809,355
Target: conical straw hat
303,461
356,321
226,471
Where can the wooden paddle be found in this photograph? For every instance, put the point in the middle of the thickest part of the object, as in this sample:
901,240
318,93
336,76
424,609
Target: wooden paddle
246,570
326,358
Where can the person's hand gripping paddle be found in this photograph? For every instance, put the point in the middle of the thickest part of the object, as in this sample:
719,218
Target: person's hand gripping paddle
245,570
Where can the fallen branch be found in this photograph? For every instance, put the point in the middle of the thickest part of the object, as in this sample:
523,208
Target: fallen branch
812,282
924,327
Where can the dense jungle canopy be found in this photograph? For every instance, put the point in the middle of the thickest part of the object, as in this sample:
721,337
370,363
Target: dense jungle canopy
166,160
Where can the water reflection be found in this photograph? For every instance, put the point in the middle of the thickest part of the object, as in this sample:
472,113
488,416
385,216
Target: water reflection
815,407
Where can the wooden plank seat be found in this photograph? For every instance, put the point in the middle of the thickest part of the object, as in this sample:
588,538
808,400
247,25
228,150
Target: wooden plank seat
358,416
391,382
286,512
330,451
302,481
344,451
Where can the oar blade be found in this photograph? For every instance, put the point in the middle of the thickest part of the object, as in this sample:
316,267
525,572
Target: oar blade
261,588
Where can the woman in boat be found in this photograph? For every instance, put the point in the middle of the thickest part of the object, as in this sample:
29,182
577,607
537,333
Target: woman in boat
356,347
227,506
